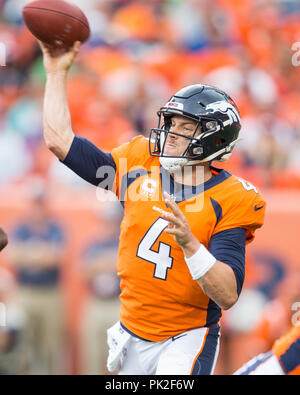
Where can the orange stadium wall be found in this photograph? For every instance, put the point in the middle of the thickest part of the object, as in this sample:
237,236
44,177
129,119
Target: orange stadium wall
75,212
279,236
278,239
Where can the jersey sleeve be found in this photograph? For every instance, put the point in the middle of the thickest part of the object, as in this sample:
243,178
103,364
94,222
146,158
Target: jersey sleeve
228,247
90,163
242,209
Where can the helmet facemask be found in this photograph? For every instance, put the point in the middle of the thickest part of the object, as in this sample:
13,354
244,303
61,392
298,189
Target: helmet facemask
193,153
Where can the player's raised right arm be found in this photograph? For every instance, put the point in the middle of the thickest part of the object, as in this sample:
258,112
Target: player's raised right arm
77,153
58,133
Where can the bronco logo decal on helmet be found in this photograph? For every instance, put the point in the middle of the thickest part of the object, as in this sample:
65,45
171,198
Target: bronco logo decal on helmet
225,107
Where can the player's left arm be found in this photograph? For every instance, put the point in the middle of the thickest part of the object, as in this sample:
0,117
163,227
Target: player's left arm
3,239
216,278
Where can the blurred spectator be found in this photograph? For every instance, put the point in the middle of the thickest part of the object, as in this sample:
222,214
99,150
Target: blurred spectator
99,271
282,359
11,321
138,54
256,322
11,327
276,317
37,253
3,239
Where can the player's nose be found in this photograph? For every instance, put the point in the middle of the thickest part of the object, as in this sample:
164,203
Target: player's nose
174,129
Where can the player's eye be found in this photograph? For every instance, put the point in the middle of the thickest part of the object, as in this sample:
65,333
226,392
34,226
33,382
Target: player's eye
189,131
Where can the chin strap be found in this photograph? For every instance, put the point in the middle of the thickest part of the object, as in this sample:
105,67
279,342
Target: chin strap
175,164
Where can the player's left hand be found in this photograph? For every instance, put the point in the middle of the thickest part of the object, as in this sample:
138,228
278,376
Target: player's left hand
178,224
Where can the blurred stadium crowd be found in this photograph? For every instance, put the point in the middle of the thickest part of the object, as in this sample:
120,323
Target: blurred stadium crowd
139,53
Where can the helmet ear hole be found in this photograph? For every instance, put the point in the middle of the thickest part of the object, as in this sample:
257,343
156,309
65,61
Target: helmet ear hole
198,151
219,142
210,125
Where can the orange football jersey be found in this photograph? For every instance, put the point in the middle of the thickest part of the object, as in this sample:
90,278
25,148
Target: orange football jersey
287,350
159,297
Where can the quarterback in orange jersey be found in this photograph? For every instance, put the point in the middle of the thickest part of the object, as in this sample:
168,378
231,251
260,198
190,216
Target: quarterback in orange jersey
283,359
185,225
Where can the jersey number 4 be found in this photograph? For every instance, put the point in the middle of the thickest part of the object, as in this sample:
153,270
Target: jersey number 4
162,258
247,185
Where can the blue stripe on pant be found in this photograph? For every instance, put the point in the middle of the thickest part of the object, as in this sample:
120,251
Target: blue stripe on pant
255,362
205,360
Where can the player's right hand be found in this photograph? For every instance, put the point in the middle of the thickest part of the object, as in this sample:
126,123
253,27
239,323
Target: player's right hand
58,60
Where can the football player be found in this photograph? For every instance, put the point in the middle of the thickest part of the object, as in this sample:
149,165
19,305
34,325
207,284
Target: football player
283,359
3,239
185,226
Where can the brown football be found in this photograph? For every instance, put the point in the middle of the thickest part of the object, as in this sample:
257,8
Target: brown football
56,22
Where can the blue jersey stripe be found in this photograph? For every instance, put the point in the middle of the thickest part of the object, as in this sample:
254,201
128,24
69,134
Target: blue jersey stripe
218,209
133,334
